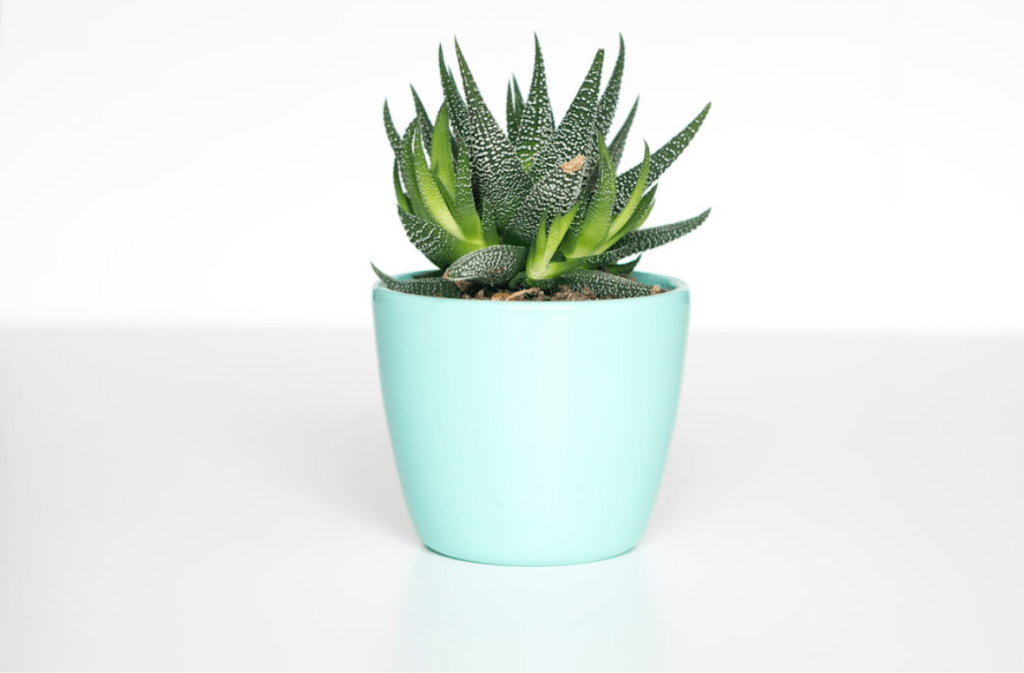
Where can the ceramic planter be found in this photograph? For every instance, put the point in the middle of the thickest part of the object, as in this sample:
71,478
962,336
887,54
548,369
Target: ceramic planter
531,433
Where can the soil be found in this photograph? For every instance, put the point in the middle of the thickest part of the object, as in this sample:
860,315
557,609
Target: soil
562,293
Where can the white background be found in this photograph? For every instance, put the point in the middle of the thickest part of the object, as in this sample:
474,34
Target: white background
226,162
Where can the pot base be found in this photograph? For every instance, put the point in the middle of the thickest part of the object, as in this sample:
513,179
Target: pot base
533,563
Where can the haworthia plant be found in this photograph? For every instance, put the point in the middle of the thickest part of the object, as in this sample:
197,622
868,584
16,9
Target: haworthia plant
536,204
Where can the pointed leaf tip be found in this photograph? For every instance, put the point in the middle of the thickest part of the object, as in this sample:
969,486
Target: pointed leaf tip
536,120
392,132
647,239
430,287
575,134
496,167
661,159
618,143
610,98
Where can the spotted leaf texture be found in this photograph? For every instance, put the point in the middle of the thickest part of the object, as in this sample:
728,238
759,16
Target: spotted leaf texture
602,284
407,171
610,98
389,127
646,239
494,265
435,242
403,200
497,170
575,134
660,160
426,128
456,106
554,194
537,121
619,141
518,96
511,113
431,287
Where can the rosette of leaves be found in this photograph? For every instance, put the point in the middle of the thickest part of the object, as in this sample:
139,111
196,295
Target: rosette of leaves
536,204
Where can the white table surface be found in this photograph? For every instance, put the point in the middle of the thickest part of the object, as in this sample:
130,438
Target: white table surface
211,499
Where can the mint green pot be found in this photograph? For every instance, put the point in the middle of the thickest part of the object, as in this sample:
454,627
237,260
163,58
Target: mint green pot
531,434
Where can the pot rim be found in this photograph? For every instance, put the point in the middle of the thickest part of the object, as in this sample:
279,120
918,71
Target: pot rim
677,286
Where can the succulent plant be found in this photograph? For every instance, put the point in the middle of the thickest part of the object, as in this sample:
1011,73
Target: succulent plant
536,205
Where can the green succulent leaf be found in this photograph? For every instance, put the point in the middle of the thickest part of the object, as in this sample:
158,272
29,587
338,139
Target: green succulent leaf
621,269
403,200
519,281
537,122
647,239
464,207
431,287
426,128
536,257
610,98
433,273
619,141
513,112
518,96
496,167
540,262
488,221
661,159
555,193
510,110
632,202
389,127
434,204
436,243
590,232
604,285
556,232
442,163
494,265
406,168
575,134
456,106
639,216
